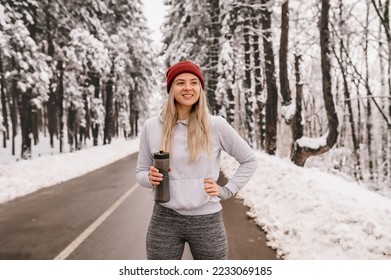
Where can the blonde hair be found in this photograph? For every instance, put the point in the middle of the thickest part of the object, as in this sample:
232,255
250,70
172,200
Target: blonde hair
198,128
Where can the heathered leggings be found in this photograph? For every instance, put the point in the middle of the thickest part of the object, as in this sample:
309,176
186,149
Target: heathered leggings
168,231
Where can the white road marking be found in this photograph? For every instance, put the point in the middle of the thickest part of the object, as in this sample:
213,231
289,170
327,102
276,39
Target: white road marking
72,247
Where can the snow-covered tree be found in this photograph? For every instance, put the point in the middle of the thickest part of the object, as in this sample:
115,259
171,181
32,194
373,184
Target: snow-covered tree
78,62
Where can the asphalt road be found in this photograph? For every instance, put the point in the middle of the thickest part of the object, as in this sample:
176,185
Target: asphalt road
104,215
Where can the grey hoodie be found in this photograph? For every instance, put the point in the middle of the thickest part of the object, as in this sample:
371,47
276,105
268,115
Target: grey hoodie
188,196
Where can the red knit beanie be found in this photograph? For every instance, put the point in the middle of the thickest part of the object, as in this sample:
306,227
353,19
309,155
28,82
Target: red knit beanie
183,67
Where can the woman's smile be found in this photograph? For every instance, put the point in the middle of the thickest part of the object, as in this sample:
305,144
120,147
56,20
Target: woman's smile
186,89
187,95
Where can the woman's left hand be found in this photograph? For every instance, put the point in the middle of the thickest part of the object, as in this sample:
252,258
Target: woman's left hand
211,187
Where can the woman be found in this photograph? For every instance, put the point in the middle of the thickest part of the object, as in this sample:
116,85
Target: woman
194,140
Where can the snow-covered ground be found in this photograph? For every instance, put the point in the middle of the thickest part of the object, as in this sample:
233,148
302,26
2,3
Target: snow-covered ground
307,214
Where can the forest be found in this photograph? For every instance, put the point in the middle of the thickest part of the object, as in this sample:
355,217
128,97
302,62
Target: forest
73,71
305,80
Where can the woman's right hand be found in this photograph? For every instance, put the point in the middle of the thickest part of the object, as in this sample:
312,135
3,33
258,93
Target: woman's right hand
154,176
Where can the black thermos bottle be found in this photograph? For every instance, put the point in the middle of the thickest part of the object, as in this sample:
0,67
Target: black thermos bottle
161,161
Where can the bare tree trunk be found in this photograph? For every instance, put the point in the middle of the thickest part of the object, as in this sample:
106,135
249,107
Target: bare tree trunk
84,127
303,152
116,124
230,111
108,131
369,105
272,94
95,81
71,126
52,103
52,115
36,123
25,115
259,110
14,107
212,73
296,125
231,105
3,102
133,118
136,122
284,80
60,105
383,12
132,114
247,83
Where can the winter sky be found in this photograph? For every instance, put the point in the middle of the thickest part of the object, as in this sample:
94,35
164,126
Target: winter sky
154,13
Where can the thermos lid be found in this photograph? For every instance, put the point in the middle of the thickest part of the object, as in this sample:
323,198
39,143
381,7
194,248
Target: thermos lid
161,155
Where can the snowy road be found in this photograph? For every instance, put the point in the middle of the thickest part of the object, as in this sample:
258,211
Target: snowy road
102,215
43,224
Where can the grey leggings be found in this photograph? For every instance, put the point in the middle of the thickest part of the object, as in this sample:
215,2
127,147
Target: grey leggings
168,231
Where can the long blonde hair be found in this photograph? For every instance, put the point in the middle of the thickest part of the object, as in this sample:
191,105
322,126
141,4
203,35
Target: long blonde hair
198,128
